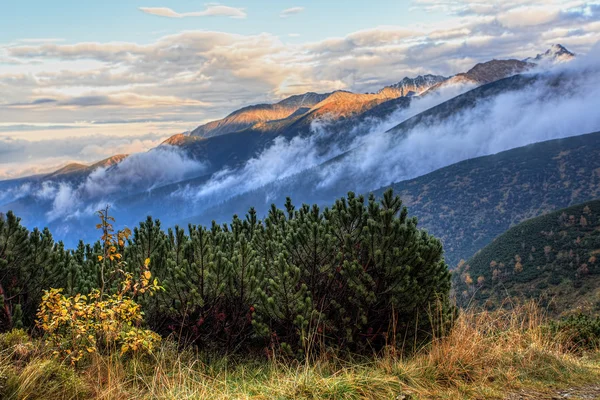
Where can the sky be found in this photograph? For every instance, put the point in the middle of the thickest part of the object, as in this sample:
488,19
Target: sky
83,80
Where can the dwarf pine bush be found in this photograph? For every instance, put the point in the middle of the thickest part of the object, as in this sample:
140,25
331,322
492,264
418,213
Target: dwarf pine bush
355,276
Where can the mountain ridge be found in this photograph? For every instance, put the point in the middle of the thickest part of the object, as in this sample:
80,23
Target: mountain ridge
297,112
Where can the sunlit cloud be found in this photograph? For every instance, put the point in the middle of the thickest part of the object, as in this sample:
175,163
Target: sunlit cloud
291,11
210,11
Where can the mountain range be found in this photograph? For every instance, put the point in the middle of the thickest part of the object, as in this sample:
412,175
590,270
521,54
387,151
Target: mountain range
315,147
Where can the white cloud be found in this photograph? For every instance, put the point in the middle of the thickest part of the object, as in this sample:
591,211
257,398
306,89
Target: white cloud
21,157
141,171
291,11
211,10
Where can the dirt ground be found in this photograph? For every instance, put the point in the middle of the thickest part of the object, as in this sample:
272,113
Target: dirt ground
590,392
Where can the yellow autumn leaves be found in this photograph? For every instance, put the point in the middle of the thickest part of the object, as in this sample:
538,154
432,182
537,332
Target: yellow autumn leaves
76,325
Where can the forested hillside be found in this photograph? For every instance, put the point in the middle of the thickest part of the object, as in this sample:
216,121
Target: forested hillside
552,258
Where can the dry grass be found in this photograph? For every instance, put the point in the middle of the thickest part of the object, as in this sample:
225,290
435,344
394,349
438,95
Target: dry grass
487,355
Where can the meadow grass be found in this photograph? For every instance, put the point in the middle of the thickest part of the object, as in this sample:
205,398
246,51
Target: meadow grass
486,355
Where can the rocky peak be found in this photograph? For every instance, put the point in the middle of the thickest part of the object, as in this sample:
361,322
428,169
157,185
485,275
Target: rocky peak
494,70
246,117
408,87
109,162
556,52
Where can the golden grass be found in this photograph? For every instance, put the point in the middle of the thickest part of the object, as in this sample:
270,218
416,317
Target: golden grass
487,355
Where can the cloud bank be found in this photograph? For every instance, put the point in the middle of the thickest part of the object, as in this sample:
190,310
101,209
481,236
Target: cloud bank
19,157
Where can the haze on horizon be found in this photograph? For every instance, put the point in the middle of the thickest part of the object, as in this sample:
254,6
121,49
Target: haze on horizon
128,75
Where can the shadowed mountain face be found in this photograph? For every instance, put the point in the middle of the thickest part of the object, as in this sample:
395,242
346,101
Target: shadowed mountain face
323,148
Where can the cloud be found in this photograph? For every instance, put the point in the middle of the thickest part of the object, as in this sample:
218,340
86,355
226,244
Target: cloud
211,10
33,128
291,11
515,118
138,172
285,158
560,103
21,157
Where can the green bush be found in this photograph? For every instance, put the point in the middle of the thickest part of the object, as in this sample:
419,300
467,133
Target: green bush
579,332
356,276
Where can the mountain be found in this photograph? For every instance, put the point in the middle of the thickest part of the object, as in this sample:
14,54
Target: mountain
556,53
248,131
342,111
469,203
249,116
486,72
553,258
414,86
345,141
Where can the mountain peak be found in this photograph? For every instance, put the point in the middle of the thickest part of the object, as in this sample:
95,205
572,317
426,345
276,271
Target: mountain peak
409,87
68,169
180,139
495,69
109,162
246,117
556,52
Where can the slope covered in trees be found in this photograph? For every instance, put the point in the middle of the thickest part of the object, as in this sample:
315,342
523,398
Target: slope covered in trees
553,258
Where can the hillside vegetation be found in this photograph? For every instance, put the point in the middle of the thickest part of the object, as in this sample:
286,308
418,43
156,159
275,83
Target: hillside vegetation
470,203
554,258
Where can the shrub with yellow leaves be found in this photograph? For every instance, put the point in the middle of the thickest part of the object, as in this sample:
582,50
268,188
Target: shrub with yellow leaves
84,324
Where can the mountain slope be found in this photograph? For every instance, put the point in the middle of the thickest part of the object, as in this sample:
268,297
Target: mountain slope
469,203
335,105
414,86
483,73
248,116
554,258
